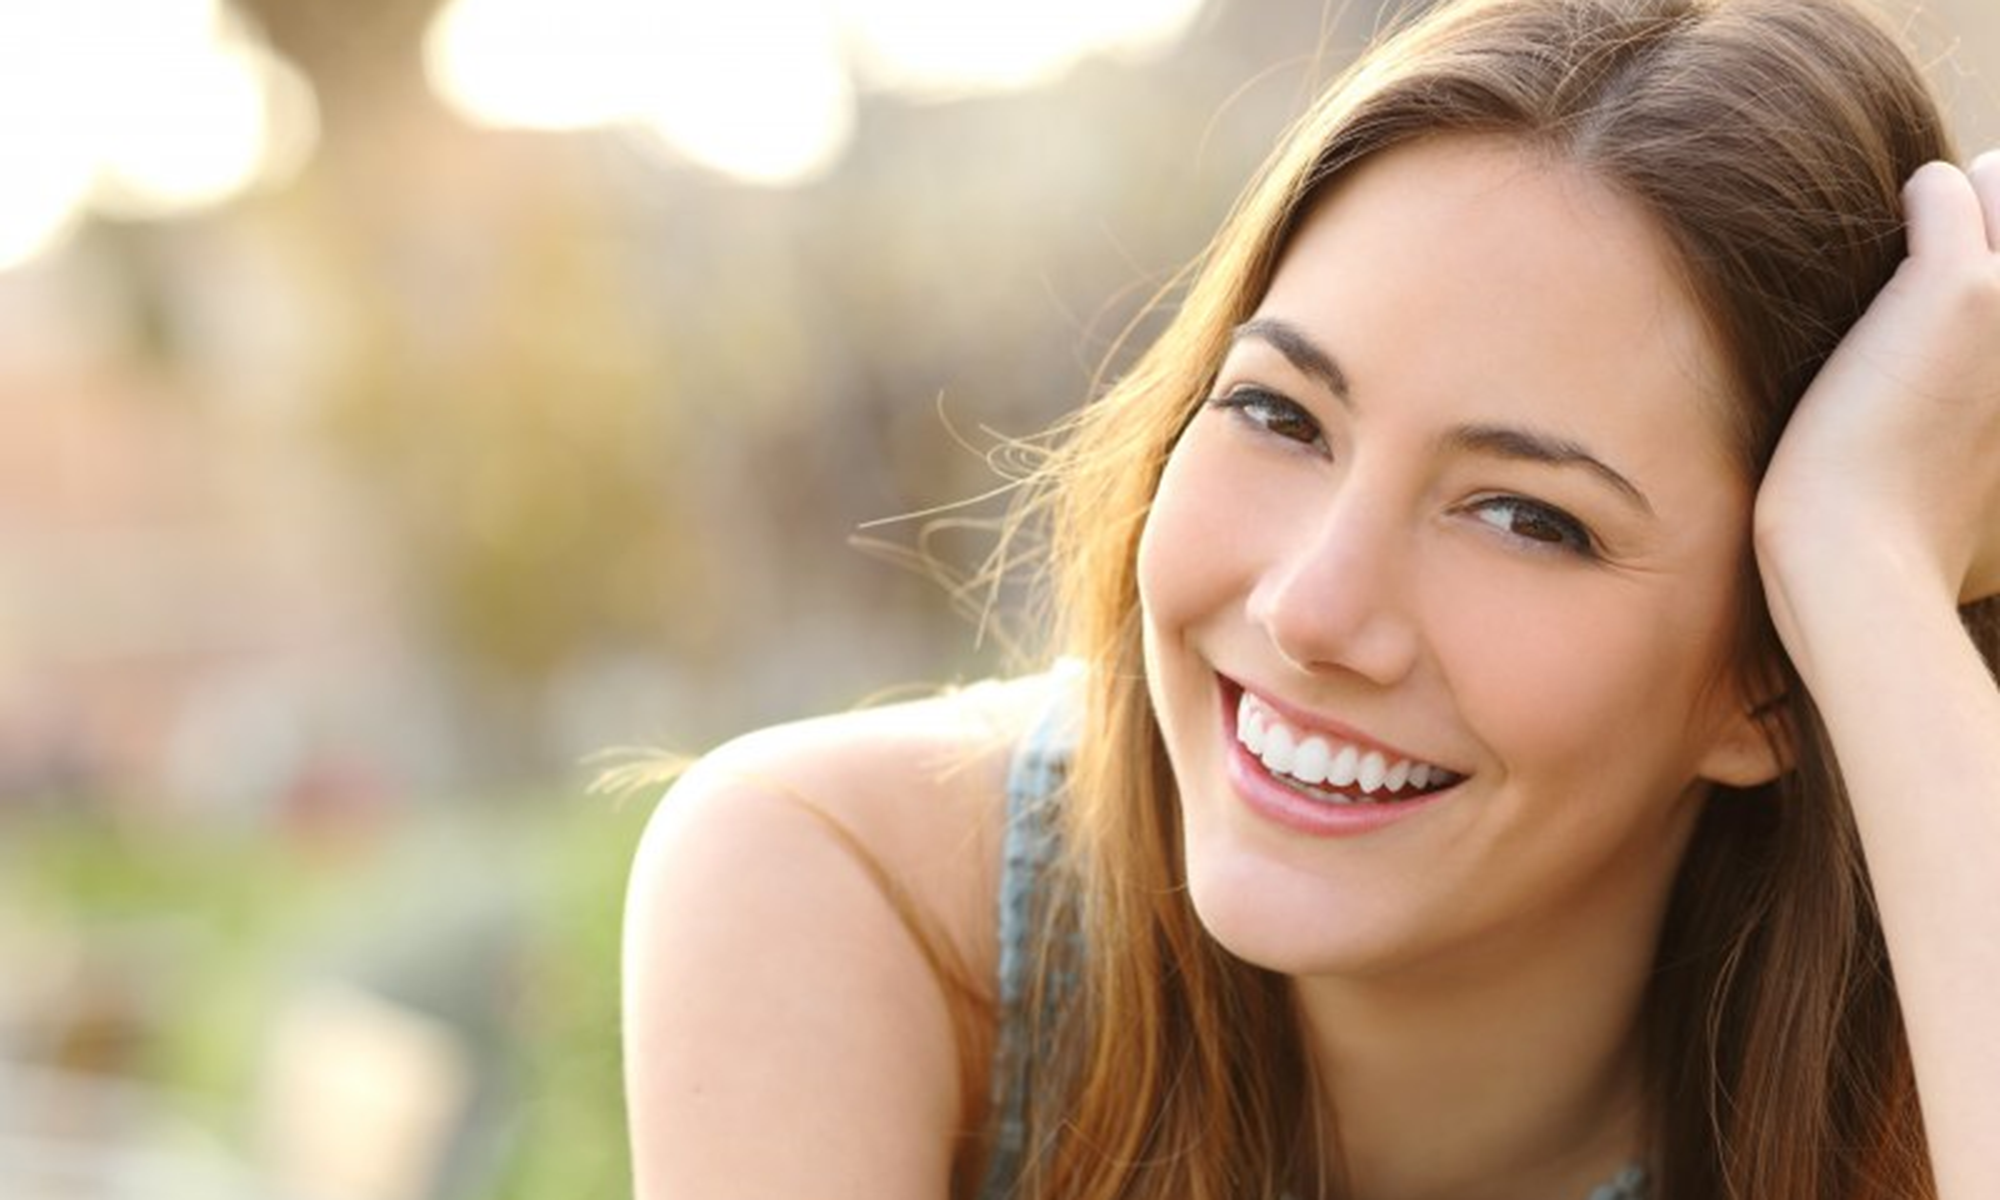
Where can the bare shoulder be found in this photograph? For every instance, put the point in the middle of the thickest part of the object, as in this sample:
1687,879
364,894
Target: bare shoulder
918,787
785,1031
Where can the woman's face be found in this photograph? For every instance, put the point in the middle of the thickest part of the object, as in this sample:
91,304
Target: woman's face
1459,526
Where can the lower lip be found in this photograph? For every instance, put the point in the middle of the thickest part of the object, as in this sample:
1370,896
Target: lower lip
1284,805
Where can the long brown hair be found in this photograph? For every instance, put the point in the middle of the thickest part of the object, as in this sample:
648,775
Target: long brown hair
1769,141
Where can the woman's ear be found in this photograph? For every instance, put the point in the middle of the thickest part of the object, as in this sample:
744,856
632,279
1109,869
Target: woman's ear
1754,745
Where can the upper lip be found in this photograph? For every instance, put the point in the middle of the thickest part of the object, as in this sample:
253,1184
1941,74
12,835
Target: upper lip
1304,720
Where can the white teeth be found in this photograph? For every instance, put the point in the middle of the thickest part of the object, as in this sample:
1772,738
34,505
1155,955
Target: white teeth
1340,773
1315,760
1372,771
1278,749
1310,763
1250,725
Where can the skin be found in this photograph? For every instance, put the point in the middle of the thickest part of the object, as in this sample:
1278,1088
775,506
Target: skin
823,1064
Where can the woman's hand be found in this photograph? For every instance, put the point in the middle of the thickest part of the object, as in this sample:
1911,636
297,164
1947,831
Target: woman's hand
1892,461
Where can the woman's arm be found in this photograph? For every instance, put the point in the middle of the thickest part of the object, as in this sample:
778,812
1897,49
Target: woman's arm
782,1038
784,1033
1879,516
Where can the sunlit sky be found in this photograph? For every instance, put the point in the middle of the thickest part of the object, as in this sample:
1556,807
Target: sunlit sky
144,109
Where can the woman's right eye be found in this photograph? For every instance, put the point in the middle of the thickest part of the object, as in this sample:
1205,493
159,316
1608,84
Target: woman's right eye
1286,418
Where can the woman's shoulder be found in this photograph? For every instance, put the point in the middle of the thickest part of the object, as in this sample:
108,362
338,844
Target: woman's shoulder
891,763
914,790
918,787
773,952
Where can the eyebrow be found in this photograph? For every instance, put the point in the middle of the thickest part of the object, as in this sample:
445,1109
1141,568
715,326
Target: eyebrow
1299,350
1499,441
1524,445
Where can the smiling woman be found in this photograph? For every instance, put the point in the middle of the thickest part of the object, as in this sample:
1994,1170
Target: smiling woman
1524,683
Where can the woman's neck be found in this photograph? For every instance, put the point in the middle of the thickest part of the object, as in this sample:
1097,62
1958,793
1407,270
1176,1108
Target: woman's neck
1519,1075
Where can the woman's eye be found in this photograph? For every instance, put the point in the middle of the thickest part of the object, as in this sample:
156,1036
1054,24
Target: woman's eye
1535,522
1273,412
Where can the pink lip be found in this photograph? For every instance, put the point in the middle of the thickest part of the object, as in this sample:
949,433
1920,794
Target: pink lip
1275,801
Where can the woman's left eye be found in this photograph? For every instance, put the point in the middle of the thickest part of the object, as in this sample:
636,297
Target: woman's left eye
1274,413
1532,521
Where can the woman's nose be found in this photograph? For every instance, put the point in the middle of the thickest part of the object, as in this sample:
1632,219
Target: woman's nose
1335,596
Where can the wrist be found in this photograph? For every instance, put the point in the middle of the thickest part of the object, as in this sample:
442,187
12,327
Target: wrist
1839,607
1835,577
1828,556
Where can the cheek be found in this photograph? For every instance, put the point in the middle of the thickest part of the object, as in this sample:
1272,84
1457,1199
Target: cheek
1183,568
1586,680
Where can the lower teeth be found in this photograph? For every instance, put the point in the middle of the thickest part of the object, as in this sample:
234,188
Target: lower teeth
1325,796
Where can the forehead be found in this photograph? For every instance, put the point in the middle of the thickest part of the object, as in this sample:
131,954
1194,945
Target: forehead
1479,270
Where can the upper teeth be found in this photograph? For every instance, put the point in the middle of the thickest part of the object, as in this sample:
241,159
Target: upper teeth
1315,758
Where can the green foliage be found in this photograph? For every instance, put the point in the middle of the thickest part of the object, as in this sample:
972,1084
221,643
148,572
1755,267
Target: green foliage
207,936
571,1120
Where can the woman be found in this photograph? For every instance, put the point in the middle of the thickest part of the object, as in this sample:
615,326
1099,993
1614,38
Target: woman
1497,762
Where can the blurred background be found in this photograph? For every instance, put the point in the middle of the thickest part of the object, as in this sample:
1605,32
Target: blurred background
407,404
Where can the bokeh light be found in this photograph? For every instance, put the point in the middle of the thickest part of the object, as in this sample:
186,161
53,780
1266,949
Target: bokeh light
137,109
764,90
946,49
756,90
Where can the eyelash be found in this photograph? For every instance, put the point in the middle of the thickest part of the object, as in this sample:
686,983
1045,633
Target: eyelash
1269,411
1571,536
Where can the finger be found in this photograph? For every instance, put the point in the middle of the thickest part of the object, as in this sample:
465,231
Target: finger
1985,175
1943,212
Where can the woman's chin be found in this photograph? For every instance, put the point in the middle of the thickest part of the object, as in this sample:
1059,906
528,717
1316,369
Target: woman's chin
1287,920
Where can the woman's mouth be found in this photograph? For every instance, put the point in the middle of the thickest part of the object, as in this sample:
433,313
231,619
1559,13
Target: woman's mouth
1327,768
